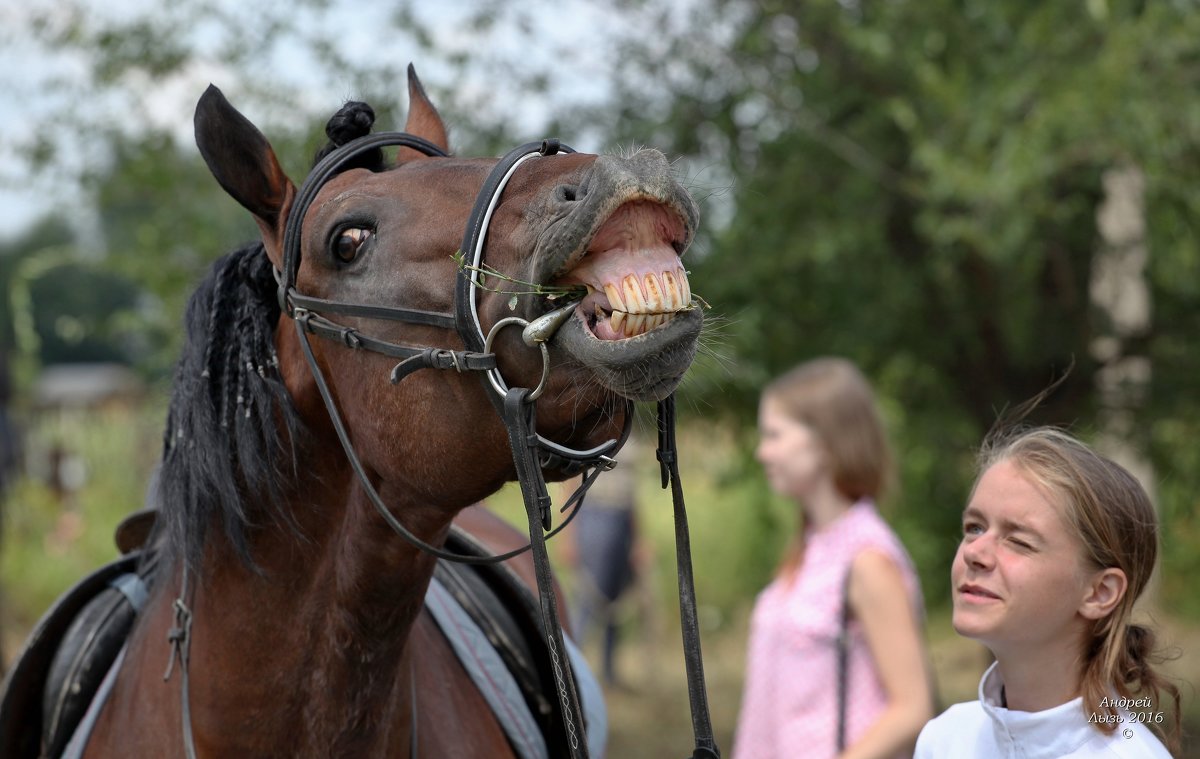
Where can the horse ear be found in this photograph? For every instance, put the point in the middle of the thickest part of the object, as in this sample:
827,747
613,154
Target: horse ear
244,164
423,119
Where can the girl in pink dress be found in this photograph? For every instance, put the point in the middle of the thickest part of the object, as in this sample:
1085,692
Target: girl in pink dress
822,444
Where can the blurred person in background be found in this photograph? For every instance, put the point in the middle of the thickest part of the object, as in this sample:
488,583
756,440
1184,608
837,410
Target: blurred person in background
1057,544
836,663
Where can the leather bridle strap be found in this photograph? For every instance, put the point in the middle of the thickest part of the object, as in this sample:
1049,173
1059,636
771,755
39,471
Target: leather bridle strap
668,458
410,315
372,494
412,358
466,316
520,417
325,169
310,311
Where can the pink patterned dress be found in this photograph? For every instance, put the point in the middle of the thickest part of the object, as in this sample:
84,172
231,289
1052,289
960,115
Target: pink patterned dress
789,704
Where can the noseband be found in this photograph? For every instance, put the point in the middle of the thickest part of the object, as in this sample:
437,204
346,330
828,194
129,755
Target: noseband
531,451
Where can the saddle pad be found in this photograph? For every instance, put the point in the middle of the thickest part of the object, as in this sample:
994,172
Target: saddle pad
501,610
498,686
509,613
488,672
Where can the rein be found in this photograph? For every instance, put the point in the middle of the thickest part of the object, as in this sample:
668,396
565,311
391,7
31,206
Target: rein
531,452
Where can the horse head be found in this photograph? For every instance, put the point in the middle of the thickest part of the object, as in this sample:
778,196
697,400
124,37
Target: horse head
605,232
320,641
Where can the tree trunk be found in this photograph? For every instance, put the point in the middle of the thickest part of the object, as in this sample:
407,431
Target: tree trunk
1120,294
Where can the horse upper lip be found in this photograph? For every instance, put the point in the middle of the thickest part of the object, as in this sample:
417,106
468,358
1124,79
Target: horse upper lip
558,261
611,183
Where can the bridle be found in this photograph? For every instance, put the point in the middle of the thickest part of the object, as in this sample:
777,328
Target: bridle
531,451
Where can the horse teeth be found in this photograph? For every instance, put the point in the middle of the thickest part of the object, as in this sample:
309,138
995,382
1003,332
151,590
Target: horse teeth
635,324
687,288
671,296
635,301
614,298
654,293
615,322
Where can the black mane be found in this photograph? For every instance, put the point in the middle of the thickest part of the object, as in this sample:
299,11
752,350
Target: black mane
231,427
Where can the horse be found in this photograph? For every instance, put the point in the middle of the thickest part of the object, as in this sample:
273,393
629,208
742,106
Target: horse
284,616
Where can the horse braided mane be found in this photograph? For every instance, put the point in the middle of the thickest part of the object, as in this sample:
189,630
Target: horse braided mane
231,427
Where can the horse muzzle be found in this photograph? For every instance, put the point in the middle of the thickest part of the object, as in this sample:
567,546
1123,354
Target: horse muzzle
620,234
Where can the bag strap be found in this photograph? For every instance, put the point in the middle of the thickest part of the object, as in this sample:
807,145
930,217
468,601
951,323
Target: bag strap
843,662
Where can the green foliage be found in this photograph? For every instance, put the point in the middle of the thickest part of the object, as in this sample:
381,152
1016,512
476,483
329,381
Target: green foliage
20,261
77,314
1174,449
51,541
164,220
915,186
159,217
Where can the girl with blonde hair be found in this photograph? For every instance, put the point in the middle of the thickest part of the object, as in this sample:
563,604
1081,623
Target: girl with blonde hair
1058,543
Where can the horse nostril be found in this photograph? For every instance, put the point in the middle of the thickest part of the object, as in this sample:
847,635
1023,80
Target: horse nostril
567,193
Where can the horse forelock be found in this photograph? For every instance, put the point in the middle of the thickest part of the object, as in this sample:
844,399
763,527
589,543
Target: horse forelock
231,431
353,120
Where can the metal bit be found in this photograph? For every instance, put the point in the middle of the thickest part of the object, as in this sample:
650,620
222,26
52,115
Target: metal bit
543,328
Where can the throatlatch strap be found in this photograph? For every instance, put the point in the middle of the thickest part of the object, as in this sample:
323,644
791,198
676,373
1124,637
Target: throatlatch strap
668,457
180,639
520,419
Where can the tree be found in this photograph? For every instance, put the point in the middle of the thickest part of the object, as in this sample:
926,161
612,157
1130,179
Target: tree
916,186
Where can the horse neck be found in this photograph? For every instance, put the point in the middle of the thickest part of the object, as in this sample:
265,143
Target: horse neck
322,630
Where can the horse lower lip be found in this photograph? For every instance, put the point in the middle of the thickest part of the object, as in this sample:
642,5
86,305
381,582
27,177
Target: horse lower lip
642,368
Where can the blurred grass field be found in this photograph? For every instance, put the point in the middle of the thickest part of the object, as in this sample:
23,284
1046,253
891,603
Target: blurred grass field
51,539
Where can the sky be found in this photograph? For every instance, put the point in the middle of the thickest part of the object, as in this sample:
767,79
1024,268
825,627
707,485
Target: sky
566,49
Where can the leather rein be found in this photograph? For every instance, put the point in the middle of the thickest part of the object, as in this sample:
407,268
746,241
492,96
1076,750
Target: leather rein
531,451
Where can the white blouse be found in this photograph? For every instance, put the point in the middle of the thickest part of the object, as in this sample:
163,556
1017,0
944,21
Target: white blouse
983,728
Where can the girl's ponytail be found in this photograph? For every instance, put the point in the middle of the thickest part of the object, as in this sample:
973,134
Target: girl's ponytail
1121,664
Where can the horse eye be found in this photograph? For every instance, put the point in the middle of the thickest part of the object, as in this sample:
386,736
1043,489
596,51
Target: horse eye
349,241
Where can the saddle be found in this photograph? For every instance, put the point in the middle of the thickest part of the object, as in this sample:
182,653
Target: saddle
52,684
